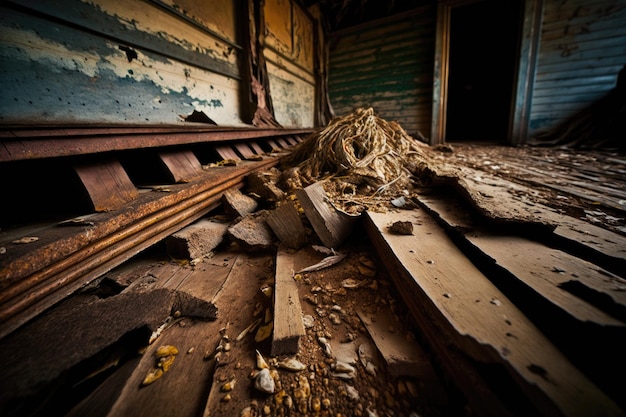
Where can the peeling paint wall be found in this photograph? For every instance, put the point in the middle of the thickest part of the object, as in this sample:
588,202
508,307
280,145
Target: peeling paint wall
582,49
289,52
115,61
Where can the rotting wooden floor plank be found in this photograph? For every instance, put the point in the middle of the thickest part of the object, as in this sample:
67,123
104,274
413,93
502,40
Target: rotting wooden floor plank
505,201
480,320
184,390
234,318
544,269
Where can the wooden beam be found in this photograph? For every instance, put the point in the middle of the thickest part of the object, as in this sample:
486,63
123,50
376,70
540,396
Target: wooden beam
288,325
24,142
330,225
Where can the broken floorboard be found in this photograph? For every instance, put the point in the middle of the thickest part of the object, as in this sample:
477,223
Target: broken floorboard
70,341
569,298
185,389
509,203
473,326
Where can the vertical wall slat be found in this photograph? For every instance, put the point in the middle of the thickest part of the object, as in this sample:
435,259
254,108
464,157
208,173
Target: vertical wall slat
582,49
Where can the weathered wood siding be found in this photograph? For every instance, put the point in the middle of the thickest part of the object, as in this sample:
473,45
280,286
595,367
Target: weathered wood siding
387,66
148,61
582,49
289,53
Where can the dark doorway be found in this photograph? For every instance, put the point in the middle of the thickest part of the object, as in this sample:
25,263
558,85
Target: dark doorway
484,45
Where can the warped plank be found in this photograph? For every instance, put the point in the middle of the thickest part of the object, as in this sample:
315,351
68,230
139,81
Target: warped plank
507,202
448,294
545,270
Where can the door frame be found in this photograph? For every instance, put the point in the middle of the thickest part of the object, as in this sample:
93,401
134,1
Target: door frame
524,78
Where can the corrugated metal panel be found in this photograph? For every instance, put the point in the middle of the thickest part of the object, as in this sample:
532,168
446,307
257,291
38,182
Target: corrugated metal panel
582,49
116,61
388,66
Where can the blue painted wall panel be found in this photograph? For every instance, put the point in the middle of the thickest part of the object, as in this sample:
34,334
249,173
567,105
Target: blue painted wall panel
582,49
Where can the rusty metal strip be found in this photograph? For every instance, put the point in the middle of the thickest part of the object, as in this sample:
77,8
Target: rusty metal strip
21,144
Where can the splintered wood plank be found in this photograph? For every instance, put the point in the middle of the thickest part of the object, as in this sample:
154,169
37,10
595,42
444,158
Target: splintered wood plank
191,375
330,225
196,240
288,325
107,184
545,270
237,204
226,152
451,299
287,226
252,231
403,356
505,201
182,165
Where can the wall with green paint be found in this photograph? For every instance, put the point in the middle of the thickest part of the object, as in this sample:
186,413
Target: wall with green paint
387,65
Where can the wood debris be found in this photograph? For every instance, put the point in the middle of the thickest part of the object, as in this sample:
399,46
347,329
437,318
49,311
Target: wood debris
197,240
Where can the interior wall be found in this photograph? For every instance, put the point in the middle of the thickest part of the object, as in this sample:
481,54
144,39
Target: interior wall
289,53
387,65
149,62
582,49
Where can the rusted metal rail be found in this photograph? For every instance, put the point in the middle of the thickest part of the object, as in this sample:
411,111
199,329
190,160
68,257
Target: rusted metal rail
19,143
42,264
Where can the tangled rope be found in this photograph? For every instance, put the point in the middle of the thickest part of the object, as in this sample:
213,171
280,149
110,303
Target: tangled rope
360,148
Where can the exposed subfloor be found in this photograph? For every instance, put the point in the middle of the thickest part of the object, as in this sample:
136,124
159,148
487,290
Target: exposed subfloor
505,277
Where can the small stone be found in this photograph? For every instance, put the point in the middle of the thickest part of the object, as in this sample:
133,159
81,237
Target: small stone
316,404
264,382
334,318
352,392
292,364
401,228
308,321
